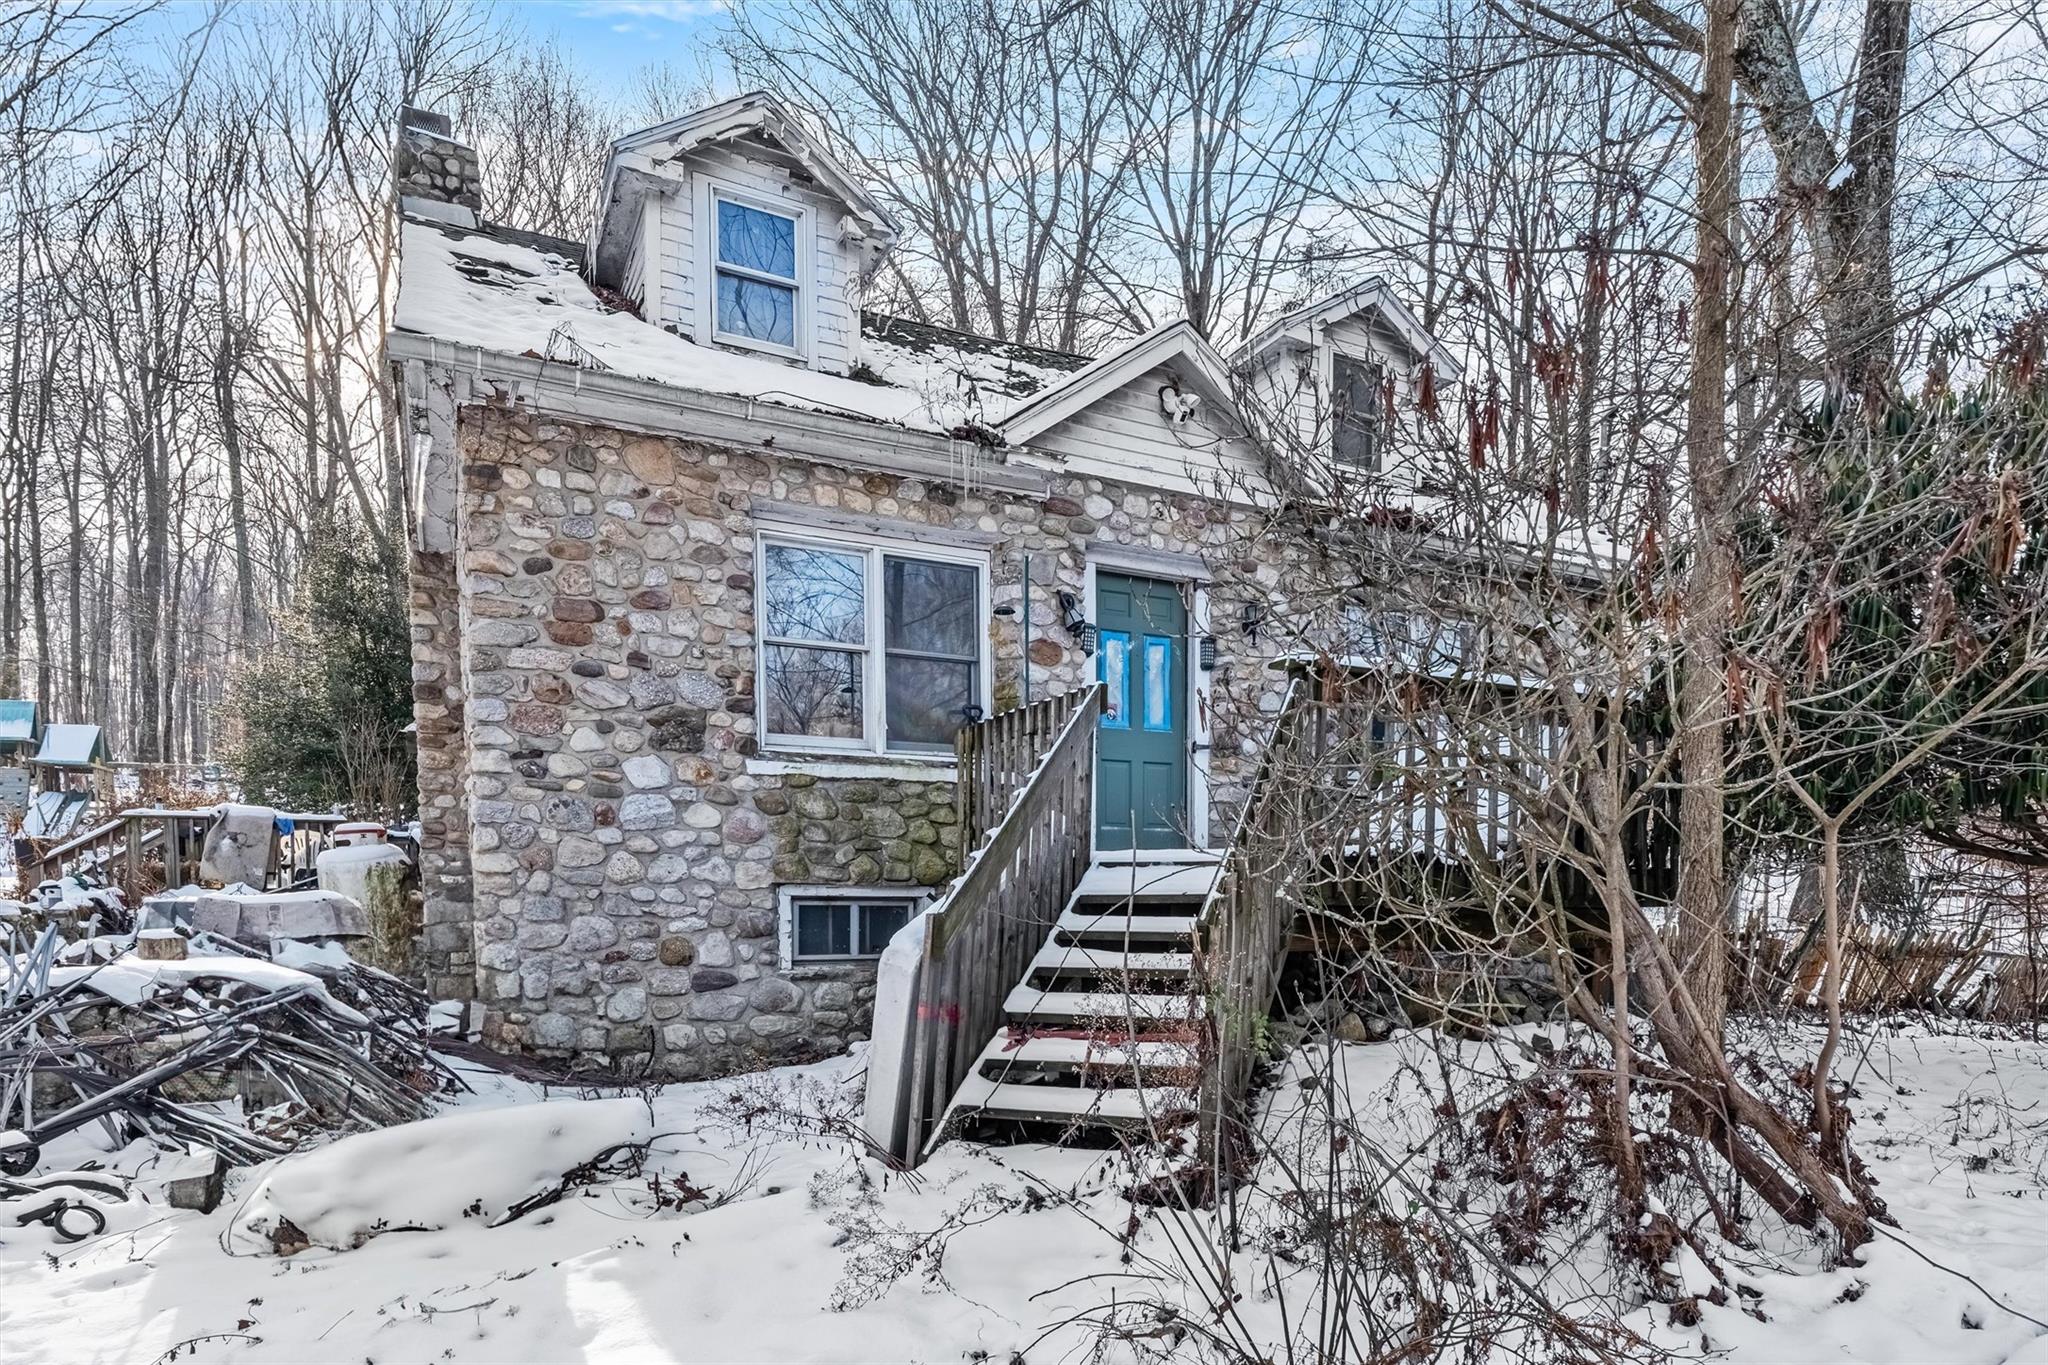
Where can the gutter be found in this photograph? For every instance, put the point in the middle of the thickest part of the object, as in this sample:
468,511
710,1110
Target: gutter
610,399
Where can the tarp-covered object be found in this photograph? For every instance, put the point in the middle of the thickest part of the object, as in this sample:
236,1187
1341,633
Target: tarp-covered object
53,815
20,722
258,917
239,846
72,746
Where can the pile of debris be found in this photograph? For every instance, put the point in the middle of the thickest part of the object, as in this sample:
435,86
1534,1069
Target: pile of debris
187,1033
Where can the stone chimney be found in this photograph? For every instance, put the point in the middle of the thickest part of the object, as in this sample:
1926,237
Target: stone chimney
437,176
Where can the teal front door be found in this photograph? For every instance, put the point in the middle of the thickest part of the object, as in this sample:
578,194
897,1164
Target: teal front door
1141,755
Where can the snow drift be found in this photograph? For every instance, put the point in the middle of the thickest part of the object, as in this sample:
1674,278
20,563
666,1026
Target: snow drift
431,1174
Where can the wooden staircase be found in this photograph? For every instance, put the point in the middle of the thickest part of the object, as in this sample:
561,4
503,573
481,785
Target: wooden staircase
1051,984
1102,1029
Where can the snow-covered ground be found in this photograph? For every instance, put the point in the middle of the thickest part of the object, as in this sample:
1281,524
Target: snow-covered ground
770,1242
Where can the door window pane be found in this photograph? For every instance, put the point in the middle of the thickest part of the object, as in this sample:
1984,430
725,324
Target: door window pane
813,691
1116,679
811,594
1158,683
755,239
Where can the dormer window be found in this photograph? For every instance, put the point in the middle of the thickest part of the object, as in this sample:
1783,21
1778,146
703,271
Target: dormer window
754,274
1355,411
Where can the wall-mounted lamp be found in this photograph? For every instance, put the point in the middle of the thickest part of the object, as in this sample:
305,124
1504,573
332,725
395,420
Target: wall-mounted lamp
1071,615
1254,617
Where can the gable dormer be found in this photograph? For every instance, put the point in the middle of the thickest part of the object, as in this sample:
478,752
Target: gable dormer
733,227
1323,371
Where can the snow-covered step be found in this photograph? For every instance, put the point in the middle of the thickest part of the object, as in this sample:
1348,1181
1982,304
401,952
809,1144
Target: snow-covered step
1030,1004
1061,958
1147,883
1125,857
1134,1106
1068,1052
1096,924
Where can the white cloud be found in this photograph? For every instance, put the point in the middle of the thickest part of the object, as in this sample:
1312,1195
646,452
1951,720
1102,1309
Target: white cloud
671,11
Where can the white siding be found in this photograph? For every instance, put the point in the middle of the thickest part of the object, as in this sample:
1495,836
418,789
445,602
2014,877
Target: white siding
679,258
832,320
633,278
1126,437
1366,337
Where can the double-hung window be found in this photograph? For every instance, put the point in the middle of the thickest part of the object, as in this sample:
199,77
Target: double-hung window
870,647
1355,411
754,273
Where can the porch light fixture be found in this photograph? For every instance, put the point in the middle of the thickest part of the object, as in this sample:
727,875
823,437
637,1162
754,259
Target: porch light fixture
1076,621
1254,616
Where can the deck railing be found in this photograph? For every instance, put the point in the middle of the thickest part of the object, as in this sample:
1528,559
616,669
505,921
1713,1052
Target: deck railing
146,850
998,756
1027,779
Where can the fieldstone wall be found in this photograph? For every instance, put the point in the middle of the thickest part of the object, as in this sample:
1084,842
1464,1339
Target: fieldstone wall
626,837
428,163
448,947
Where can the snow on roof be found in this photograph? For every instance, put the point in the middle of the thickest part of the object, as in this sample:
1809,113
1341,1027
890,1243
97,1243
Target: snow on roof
509,293
71,746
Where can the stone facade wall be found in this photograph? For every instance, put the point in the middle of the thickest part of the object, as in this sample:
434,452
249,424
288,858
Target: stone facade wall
625,838
448,949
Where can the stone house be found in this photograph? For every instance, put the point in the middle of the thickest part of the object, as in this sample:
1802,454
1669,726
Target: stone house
710,563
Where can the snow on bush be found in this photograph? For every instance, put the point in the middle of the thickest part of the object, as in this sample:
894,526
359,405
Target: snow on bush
431,1174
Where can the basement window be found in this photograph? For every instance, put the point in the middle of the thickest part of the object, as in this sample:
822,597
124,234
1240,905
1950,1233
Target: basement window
754,274
842,924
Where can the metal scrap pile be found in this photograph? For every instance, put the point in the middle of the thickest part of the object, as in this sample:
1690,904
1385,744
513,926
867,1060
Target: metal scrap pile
224,1048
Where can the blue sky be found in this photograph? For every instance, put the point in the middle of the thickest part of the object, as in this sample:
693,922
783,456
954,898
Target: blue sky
612,39
618,37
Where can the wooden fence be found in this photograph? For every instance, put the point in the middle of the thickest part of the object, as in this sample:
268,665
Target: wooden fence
1953,973
1031,783
147,850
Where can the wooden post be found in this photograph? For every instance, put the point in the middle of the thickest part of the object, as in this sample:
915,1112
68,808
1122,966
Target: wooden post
131,873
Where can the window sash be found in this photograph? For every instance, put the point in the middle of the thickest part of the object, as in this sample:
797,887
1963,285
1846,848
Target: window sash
1355,411
792,283
850,929
795,220
874,653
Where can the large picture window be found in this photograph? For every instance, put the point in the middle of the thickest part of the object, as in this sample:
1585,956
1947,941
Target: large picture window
754,273
871,648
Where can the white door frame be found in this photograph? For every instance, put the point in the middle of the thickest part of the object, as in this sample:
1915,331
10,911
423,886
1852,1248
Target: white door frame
1199,691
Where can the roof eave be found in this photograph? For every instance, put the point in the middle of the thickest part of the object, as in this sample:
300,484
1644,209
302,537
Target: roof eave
1087,386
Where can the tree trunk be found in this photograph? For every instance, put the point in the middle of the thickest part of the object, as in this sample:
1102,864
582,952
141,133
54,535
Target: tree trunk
1703,698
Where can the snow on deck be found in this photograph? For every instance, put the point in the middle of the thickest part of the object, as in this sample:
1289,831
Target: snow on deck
474,288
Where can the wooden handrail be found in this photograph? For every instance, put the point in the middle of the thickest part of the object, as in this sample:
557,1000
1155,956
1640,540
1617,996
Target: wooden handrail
1242,933
1034,782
